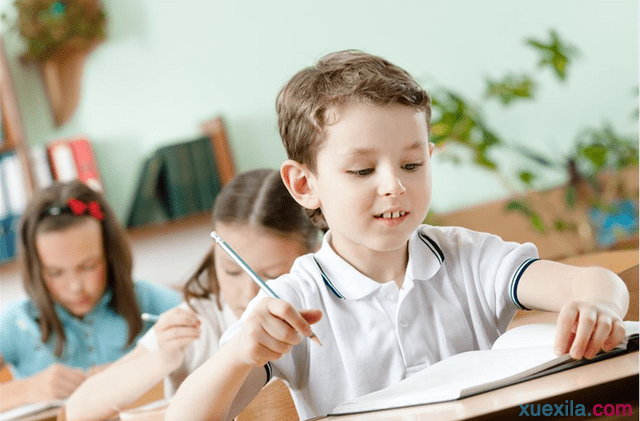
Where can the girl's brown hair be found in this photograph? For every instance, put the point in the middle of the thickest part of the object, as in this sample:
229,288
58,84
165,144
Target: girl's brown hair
306,102
48,211
257,198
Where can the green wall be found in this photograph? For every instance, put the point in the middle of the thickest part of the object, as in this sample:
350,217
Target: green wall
169,65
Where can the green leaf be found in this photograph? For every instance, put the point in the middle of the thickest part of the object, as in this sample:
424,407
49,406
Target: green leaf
554,54
511,88
596,154
537,223
526,177
571,196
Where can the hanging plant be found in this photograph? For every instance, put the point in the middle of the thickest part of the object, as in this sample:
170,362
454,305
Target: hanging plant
52,26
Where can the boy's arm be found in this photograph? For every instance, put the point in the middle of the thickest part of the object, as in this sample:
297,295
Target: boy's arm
591,301
218,390
221,387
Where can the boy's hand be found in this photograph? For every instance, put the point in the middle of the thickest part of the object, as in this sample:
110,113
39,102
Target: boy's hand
58,381
176,329
272,328
584,328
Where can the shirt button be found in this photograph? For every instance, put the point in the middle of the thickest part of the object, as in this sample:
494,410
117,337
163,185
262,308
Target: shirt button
403,323
390,296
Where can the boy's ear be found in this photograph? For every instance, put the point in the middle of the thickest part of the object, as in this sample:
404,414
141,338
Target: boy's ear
299,181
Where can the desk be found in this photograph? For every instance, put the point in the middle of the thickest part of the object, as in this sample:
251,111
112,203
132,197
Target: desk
606,382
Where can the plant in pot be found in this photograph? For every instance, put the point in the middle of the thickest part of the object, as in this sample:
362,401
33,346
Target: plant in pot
58,35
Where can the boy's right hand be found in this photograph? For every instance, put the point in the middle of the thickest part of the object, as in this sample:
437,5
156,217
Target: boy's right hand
57,381
272,328
176,329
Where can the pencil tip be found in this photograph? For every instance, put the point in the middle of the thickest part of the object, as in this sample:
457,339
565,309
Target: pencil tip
315,339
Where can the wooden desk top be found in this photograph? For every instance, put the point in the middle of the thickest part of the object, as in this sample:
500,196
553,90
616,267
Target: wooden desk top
587,385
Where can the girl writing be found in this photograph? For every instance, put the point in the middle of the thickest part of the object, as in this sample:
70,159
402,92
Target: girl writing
256,215
83,309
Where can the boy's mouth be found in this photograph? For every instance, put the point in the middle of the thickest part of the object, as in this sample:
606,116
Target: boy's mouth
391,215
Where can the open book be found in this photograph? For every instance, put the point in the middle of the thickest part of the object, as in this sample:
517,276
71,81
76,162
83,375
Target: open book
22,411
520,354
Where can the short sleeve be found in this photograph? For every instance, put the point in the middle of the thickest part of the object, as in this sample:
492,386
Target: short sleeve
155,299
9,346
500,265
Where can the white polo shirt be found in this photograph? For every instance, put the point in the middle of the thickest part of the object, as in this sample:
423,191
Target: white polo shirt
458,294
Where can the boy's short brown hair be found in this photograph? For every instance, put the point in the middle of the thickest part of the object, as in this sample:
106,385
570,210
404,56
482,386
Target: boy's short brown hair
305,103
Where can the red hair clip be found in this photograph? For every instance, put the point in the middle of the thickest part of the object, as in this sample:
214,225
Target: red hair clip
78,207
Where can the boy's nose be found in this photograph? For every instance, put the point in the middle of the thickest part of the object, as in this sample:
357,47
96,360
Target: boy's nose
391,184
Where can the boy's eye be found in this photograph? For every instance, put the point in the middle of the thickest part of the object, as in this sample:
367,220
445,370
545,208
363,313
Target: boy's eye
53,273
361,173
233,272
412,167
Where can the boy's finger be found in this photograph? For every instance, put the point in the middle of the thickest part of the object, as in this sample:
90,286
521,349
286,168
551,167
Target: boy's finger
564,333
586,325
282,331
290,315
615,337
598,337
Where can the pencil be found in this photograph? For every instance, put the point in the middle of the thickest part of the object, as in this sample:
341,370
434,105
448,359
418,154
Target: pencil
254,276
149,317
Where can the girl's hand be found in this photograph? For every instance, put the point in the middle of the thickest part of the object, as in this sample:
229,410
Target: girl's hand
176,329
585,328
57,382
271,329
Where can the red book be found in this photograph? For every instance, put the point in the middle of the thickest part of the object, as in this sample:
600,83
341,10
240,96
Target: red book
86,164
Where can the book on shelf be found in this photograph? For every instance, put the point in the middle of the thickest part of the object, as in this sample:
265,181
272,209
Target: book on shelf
14,192
42,174
86,163
176,181
522,353
63,165
74,158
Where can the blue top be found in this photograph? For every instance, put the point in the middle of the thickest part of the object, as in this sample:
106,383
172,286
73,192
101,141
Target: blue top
98,338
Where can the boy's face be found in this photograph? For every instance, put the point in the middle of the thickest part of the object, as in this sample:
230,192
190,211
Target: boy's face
373,177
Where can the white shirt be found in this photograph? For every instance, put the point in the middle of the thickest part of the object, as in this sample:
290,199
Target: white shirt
458,294
214,323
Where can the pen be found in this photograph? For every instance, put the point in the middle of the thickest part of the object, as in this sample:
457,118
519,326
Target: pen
257,279
149,317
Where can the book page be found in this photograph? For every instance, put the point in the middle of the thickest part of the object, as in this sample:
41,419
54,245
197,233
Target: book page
454,377
30,409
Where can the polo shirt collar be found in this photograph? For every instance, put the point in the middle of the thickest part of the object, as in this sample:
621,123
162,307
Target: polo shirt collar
346,282
425,255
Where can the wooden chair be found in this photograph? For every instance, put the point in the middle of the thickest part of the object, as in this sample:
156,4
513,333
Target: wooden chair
273,403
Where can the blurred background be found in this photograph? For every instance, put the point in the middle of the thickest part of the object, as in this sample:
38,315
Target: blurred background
532,81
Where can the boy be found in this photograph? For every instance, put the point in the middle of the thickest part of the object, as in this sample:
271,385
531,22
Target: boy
394,296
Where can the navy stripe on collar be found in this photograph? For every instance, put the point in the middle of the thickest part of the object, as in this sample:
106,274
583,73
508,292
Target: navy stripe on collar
327,281
435,249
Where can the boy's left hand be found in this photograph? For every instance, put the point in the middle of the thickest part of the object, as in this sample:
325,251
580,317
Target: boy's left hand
585,328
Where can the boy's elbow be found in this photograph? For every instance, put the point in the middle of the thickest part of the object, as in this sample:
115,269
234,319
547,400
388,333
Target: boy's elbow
612,289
